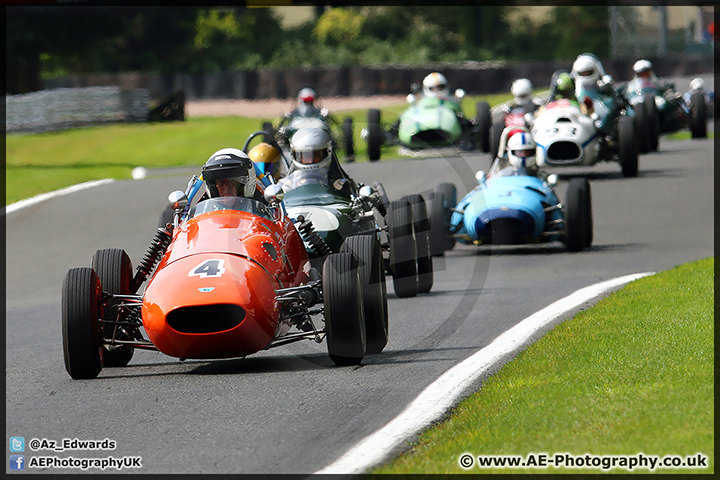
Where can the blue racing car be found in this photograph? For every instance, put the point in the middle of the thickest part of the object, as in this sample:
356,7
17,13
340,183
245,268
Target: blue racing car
514,203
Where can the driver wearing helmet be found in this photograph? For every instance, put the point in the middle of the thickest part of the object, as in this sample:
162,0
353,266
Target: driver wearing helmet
563,87
306,104
311,150
644,76
230,173
521,90
435,85
518,157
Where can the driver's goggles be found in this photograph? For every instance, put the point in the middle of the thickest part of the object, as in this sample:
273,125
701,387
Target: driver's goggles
437,88
310,157
586,73
523,153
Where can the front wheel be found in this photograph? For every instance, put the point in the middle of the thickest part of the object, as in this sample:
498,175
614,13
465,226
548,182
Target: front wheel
375,135
344,313
698,111
578,215
82,348
348,141
627,147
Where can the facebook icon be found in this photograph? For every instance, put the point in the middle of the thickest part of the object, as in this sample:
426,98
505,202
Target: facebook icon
17,462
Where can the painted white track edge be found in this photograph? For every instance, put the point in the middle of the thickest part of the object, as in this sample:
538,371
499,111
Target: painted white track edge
57,193
442,394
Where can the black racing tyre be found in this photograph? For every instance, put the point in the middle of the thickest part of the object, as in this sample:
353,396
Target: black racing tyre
403,253
421,223
482,140
576,208
268,127
444,198
348,140
642,127
375,135
589,223
344,313
380,189
368,255
627,147
166,216
114,270
495,134
653,118
699,114
82,348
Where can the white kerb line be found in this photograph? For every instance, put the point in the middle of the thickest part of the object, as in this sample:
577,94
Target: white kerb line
57,193
442,394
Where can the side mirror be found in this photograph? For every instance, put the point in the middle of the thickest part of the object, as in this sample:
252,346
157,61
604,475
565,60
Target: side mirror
552,179
177,200
480,176
410,98
459,93
606,79
274,194
324,112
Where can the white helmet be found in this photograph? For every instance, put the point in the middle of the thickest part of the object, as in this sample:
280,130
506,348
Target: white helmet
231,166
435,85
586,71
521,150
641,67
521,90
307,95
697,85
311,148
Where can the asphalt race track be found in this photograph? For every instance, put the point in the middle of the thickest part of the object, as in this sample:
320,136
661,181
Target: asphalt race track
290,410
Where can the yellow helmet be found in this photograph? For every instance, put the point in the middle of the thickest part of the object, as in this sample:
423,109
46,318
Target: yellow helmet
264,153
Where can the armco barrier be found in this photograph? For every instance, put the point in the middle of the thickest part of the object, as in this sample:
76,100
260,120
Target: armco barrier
61,108
476,78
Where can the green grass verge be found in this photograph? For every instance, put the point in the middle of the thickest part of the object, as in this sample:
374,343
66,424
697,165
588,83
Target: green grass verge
40,163
632,374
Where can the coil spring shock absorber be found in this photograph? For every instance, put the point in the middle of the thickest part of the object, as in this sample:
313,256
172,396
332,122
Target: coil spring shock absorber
154,253
311,236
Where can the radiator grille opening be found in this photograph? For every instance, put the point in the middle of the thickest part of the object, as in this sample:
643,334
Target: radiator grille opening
206,318
564,151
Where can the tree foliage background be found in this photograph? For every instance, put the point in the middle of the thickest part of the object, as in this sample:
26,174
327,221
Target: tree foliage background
50,41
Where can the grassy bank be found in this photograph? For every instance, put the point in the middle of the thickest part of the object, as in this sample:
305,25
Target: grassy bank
634,374
40,163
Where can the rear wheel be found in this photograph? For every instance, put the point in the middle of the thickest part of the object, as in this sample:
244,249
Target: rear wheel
268,127
421,223
114,269
348,140
344,314
627,147
375,135
698,111
444,198
403,252
577,223
495,134
82,347
367,253
482,140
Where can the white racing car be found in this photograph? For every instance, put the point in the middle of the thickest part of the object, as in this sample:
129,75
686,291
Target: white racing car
566,136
